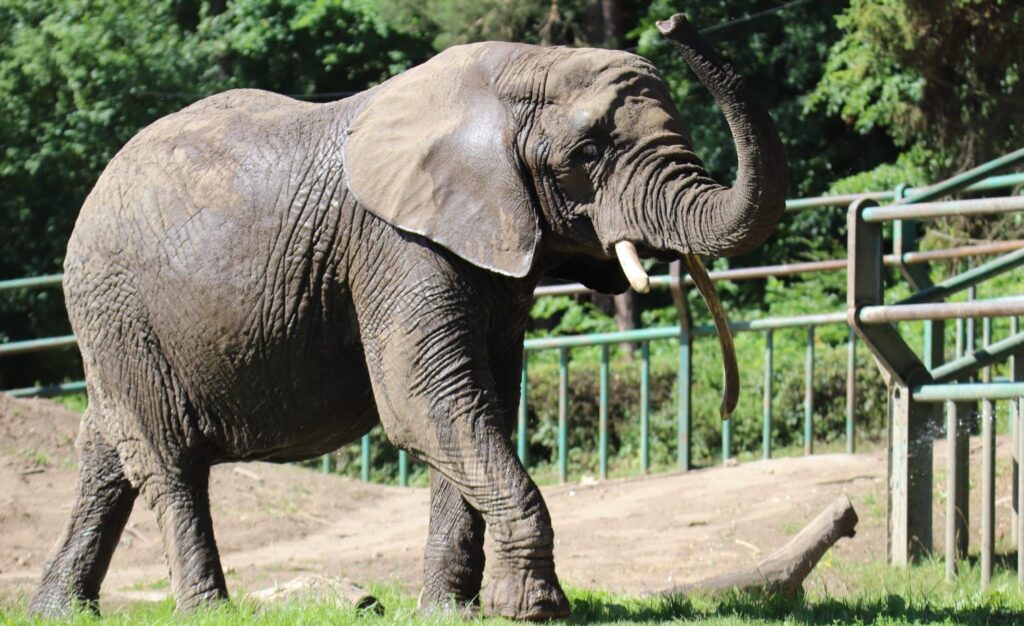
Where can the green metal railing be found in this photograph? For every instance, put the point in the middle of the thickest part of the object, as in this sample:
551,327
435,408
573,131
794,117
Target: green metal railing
980,179
916,384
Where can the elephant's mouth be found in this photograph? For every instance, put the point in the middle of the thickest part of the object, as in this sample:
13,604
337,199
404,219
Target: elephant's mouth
629,260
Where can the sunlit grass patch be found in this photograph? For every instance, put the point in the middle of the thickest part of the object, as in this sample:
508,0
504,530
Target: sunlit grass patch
867,594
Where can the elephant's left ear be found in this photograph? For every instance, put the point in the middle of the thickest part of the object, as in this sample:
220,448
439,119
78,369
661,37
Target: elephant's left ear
432,154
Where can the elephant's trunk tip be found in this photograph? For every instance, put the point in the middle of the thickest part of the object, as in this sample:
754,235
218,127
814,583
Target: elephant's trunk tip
671,25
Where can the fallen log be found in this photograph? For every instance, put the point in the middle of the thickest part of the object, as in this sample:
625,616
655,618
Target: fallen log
784,570
341,593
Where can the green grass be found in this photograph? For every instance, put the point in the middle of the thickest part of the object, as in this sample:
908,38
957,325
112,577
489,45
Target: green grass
857,594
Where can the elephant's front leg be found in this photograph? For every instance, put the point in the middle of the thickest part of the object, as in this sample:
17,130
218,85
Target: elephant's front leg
437,397
453,564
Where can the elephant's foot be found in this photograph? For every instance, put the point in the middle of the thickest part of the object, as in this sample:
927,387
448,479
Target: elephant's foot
533,595
54,599
433,601
203,596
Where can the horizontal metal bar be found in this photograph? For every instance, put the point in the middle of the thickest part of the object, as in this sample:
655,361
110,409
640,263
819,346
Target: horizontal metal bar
980,206
47,391
791,269
970,363
967,391
971,277
818,202
36,345
964,179
31,282
773,323
672,332
884,314
992,182
981,249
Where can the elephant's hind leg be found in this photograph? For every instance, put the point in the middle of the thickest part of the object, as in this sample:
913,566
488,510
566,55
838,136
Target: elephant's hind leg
180,498
453,566
74,572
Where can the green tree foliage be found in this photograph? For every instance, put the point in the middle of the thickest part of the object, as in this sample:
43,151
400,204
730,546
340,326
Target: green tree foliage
78,78
942,78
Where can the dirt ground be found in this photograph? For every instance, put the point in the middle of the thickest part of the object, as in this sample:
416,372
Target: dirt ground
275,522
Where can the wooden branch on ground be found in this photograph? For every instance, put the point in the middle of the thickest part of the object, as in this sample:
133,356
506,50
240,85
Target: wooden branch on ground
342,593
784,570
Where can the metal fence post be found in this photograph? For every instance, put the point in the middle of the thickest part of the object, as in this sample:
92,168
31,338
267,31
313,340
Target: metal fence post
645,407
563,414
603,414
766,427
403,468
326,464
910,477
1015,408
678,290
364,458
522,443
809,394
1017,374
685,382
988,472
851,392
958,433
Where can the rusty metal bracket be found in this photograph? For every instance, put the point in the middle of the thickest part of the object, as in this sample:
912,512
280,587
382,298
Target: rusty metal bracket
864,288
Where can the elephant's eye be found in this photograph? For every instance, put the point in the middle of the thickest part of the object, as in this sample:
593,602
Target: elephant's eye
586,153
575,178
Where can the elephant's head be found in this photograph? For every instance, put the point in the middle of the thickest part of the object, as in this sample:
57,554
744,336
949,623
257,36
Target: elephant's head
518,158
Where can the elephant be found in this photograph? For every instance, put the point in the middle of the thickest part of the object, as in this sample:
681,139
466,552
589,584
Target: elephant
255,277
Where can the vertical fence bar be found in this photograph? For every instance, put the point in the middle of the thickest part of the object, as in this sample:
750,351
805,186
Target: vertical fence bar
969,327
403,468
645,407
364,458
809,394
522,443
603,414
1014,407
910,477
986,338
851,392
685,380
766,426
563,414
988,473
1017,374
326,465
952,429
957,487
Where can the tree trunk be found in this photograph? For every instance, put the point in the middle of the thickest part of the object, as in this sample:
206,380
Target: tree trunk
611,12
627,316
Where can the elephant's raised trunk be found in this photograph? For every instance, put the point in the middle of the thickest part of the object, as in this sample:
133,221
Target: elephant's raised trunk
720,221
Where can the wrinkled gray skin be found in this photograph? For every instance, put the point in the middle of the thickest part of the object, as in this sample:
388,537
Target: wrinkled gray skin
259,278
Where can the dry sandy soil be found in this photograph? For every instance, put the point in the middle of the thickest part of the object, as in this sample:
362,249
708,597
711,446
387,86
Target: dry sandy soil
275,522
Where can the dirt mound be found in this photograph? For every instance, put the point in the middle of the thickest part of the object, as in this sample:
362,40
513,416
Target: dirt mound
274,522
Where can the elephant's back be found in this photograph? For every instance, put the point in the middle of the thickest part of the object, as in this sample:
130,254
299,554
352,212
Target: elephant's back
206,236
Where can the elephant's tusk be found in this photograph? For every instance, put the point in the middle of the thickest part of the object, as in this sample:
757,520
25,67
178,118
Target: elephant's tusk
731,393
631,267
